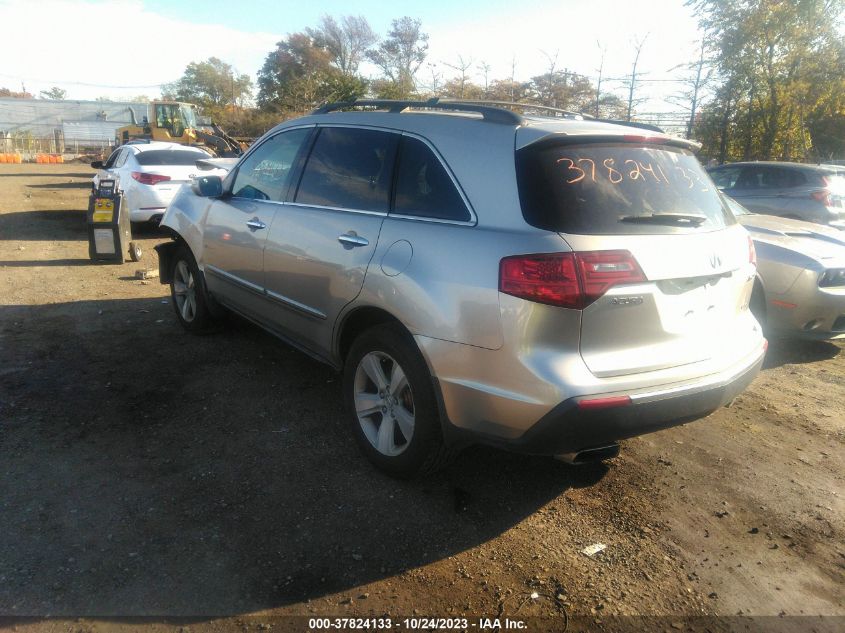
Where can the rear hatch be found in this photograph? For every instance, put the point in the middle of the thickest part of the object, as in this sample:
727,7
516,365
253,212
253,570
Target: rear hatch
664,271
176,166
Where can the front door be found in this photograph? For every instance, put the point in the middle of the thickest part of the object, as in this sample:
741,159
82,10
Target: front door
238,224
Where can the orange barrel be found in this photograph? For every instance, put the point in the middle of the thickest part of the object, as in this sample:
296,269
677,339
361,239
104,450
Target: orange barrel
52,159
38,159
60,159
18,159
2,158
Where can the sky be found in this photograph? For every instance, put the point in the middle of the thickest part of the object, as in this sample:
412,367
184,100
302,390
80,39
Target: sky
124,48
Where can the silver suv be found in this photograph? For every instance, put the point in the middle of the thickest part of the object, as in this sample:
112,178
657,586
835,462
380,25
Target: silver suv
547,284
814,193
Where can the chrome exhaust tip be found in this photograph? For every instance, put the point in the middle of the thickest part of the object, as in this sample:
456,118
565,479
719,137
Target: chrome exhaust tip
590,455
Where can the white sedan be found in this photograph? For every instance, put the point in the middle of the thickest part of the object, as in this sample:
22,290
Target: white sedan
150,174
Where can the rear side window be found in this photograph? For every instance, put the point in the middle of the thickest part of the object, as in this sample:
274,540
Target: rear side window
610,189
265,173
765,177
169,157
423,187
349,168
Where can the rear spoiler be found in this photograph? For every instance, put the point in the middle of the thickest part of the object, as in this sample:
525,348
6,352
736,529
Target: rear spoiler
207,164
649,139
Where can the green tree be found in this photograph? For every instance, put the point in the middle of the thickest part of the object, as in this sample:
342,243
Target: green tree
5,93
54,94
780,68
299,75
401,54
212,84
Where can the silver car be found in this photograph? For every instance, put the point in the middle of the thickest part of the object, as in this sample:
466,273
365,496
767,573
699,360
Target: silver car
548,285
800,287
814,193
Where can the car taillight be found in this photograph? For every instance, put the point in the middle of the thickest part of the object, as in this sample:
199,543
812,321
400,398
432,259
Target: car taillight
568,280
149,179
752,252
823,196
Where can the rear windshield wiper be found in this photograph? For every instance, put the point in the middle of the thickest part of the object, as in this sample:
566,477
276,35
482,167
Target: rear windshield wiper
679,219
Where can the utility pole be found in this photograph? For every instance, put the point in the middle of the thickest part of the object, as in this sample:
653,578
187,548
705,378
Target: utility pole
603,50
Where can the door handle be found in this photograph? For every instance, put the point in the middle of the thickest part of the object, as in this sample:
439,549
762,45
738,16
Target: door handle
352,239
254,224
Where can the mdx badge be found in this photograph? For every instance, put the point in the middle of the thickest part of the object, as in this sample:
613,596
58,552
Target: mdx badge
715,261
626,301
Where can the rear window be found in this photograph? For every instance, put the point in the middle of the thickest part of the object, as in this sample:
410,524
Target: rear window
169,157
612,189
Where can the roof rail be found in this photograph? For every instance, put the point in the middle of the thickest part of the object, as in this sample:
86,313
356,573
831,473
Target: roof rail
489,113
569,114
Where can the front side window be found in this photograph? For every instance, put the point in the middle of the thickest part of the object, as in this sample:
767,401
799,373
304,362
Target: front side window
423,187
113,158
725,177
121,160
265,173
617,188
349,168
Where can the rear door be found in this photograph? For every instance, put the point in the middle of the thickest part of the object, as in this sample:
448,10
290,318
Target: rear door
237,224
323,238
648,214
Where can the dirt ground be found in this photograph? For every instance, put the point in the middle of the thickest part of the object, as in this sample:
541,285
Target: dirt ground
210,483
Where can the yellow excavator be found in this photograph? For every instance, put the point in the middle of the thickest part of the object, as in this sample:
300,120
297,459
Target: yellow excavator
178,122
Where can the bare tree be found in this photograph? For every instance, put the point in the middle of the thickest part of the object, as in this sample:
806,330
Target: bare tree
603,50
694,84
436,76
638,47
485,69
551,77
347,41
462,66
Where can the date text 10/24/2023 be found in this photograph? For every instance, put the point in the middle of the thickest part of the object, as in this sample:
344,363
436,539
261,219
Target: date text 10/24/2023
417,623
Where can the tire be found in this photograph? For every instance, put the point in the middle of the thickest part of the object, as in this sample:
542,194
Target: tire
188,293
135,251
757,305
376,395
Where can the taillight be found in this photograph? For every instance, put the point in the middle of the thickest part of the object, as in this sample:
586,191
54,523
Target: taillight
752,252
569,280
149,179
823,196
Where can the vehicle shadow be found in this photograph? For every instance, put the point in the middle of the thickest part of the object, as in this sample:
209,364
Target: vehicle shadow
784,351
62,185
53,224
151,472
59,224
49,174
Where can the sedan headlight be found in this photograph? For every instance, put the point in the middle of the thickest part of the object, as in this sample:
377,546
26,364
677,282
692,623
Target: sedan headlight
832,277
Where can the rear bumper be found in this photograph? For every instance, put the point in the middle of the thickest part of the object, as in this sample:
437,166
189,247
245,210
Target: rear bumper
511,421
567,428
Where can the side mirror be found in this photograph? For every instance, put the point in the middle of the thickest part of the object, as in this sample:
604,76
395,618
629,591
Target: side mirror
97,164
208,186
